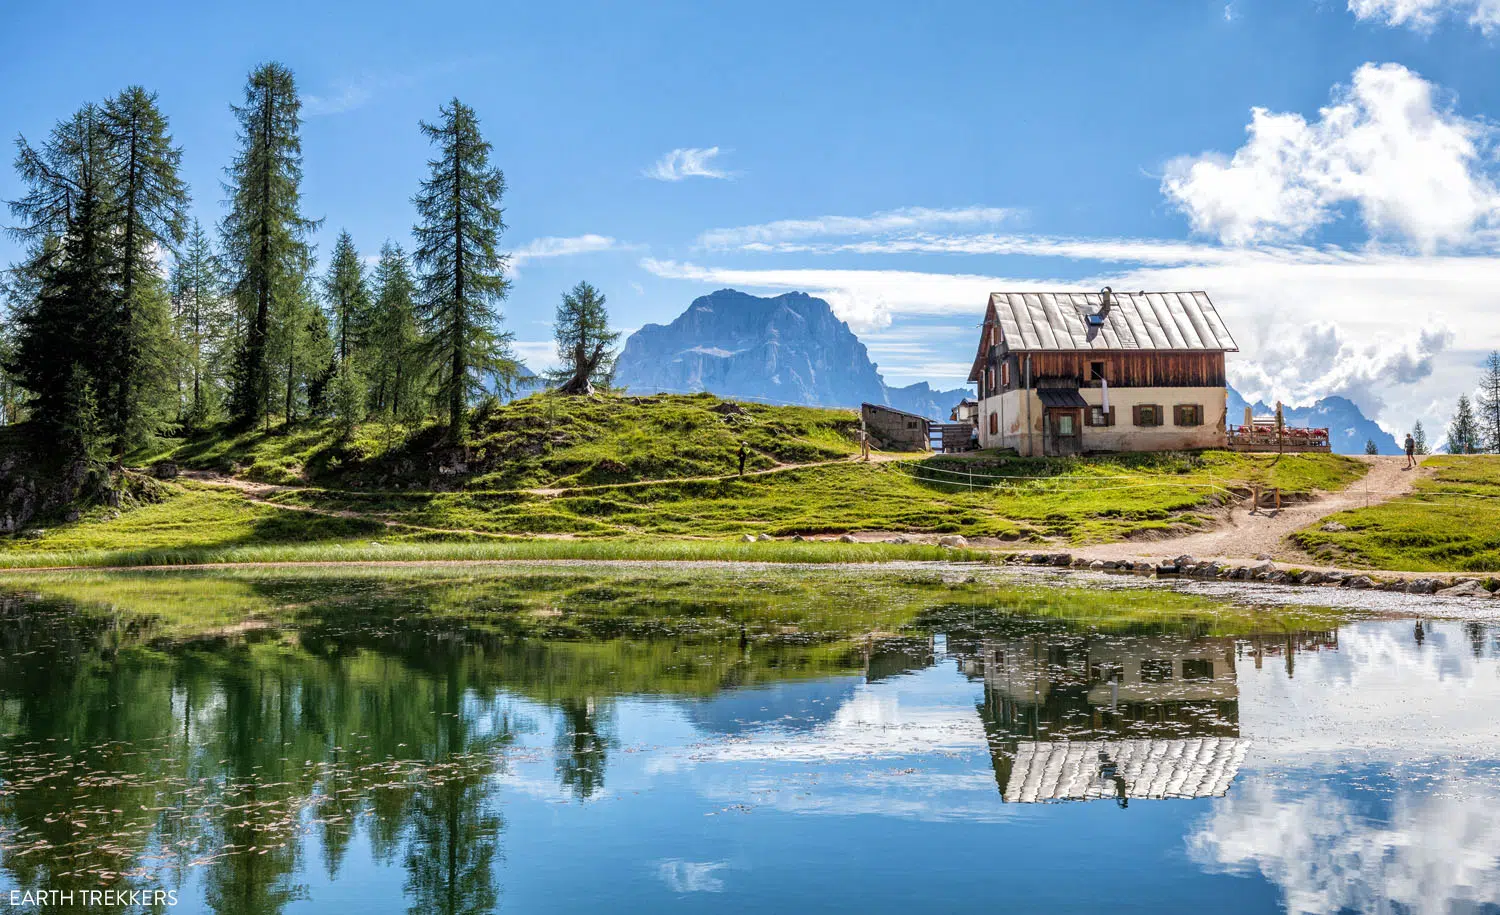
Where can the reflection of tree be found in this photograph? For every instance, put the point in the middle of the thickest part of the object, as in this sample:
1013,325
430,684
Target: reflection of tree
582,747
455,831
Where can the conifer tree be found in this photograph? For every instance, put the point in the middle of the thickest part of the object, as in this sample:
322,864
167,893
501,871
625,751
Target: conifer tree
1419,437
348,297
1463,431
68,221
1371,447
1488,403
150,203
265,233
463,276
301,352
203,321
585,344
395,358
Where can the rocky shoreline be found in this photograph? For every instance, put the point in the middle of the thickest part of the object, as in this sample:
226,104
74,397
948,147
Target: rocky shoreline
1265,571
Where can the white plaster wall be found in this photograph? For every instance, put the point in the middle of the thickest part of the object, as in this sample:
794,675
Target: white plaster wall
1010,409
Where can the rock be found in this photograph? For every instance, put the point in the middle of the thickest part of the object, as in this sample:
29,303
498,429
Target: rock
1468,587
1062,560
1266,566
1333,527
1186,560
798,538
1096,566
1277,576
1359,581
1421,586
1264,557
164,470
847,538
1110,565
747,538
954,540
764,537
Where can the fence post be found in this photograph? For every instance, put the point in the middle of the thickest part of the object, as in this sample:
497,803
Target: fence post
1255,498
1278,499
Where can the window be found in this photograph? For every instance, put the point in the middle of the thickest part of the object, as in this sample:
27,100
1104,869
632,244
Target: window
1096,371
1147,414
1156,670
1197,669
994,424
1097,416
1065,424
1188,414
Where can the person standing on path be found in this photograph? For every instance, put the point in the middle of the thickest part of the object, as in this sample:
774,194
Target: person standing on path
742,458
1411,451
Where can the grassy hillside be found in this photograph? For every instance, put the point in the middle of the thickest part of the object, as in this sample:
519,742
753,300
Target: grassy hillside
620,477
543,440
1451,521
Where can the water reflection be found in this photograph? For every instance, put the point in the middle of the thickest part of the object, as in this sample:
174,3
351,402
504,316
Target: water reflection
380,749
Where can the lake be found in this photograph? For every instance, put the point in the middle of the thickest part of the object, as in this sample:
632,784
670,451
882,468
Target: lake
742,739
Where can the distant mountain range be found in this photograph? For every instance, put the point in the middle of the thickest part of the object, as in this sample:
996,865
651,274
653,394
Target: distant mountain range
788,349
1348,428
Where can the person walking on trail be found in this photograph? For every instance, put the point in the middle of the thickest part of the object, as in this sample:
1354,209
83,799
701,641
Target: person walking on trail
1411,451
742,458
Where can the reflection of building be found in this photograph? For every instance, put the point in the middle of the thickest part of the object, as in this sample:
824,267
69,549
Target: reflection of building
1084,716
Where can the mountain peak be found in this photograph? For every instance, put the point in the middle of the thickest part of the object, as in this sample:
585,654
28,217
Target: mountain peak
789,348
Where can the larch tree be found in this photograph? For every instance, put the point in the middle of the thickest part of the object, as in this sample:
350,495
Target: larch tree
264,233
301,352
70,275
395,357
1463,431
462,273
203,320
1488,404
585,344
1419,437
150,203
348,298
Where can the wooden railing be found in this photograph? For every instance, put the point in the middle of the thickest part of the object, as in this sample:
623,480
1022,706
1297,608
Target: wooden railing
1264,437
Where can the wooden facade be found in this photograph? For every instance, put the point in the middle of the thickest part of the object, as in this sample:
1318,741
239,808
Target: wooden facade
1006,371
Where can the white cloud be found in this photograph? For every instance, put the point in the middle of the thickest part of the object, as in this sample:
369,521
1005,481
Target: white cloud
691,876
1388,146
1424,15
906,219
552,246
349,96
687,163
539,355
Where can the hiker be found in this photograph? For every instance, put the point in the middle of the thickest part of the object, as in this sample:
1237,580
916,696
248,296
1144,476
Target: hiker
864,444
1411,451
742,458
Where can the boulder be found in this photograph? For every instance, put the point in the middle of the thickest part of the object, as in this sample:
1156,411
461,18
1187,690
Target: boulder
847,538
1468,587
1186,560
1062,560
1421,586
1359,581
164,470
1096,566
1333,527
1264,557
953,540
747,538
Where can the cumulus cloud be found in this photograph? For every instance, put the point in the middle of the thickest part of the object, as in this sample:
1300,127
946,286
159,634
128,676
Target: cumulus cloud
1424,15
1388,145
683,163
907,219
1318,360
1433,852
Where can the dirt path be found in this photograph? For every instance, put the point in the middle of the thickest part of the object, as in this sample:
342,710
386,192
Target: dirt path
1243,536
876,457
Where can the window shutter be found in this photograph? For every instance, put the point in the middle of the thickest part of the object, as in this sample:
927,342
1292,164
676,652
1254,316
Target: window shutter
1135,414
1088,416
1177,418
1110,419
1160,416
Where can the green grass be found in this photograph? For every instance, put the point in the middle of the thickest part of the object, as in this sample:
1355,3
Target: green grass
1450,522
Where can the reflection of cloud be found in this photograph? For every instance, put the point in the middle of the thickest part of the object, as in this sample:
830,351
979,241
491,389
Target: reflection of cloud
1434,854
691,876
1378,693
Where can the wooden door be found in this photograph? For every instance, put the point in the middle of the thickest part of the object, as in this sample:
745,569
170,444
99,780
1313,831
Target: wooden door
1063,432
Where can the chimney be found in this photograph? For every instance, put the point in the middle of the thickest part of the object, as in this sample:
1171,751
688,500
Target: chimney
1106,296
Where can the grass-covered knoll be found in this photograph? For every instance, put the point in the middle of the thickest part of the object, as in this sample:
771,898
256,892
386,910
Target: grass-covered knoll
1451,521
1080,500
542,440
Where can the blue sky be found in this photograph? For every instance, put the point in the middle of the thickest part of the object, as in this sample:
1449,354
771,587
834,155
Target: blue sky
901,160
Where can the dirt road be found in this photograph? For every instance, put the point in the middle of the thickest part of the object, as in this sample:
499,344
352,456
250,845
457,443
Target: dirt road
1243,536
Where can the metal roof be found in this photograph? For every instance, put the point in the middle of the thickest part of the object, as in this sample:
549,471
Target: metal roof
1136,321
1168,768
1061,398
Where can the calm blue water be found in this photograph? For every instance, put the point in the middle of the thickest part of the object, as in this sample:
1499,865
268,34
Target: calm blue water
397,764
